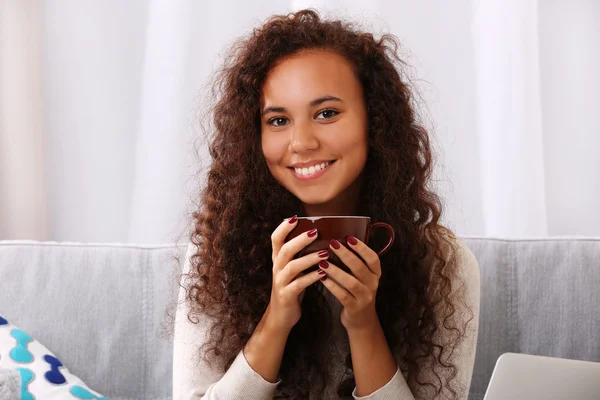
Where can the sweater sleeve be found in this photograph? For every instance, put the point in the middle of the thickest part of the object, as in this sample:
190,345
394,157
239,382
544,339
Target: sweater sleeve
465,353
395,389
193,378
463,356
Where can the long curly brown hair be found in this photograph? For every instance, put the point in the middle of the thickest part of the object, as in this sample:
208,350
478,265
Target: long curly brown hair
242,204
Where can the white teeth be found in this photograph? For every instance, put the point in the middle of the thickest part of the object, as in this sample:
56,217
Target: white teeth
311,170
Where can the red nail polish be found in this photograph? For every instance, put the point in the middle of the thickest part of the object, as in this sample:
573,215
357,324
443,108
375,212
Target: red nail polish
293,219
321,272
352,240
323,254
312,233
323,278
335,244
323,264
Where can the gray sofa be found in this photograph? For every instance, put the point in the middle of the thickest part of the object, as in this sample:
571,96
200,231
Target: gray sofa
101,307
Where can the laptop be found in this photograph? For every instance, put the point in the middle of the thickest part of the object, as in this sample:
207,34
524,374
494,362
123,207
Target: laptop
527,377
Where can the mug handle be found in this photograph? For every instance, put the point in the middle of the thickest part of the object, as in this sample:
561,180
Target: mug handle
391,233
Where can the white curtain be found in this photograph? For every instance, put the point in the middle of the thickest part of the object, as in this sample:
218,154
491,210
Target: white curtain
99,105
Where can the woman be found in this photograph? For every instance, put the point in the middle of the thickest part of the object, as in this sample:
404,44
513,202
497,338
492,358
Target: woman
312,119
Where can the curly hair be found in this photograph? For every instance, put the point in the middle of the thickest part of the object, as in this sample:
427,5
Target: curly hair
241,204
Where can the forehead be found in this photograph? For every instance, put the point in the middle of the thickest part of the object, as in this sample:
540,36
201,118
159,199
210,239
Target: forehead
309,74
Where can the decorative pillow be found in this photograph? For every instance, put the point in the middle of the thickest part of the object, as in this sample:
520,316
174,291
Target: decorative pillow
42,375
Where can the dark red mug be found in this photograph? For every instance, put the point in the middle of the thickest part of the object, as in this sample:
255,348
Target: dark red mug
338,228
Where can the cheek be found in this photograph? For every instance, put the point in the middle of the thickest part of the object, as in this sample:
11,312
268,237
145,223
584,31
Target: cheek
350,142
273,149
355,151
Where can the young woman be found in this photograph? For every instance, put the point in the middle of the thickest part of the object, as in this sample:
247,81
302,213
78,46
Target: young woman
313,119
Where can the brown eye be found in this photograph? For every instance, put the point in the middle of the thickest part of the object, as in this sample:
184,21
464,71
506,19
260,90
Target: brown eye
278,121
327,114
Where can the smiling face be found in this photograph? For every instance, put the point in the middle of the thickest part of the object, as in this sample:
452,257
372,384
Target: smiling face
313,117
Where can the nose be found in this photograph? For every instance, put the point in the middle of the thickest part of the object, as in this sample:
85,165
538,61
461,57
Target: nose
303,138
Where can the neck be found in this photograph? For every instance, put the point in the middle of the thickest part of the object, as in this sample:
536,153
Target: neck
334,207
347,203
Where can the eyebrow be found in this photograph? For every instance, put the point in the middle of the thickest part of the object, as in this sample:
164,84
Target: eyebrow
313,103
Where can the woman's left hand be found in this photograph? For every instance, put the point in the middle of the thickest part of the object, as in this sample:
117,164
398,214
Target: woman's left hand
357,293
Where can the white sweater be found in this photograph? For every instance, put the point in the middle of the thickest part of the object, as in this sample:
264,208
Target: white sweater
194,379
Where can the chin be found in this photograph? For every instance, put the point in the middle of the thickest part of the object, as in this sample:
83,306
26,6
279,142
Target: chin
313,202
315,199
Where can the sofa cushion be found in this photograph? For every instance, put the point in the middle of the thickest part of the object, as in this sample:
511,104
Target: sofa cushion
42,375
538,296
99,307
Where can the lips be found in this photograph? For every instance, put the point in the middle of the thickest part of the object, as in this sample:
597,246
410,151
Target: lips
312,165
315,175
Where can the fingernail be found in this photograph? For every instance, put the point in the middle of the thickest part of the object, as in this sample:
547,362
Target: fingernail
323,264
321,272
312,233
293,219
335,244
352,240
323,254
323,278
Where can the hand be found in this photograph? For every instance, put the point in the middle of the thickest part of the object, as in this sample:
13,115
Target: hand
356,293
289,282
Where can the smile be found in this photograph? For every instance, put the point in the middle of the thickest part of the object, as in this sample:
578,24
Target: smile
307,174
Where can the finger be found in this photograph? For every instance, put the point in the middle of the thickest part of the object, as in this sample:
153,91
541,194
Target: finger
280,233
344,297
370,257
347,281
299,284
292,247
352,261
295,267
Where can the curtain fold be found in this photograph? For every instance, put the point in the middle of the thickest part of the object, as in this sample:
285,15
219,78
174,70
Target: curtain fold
509,125
23,177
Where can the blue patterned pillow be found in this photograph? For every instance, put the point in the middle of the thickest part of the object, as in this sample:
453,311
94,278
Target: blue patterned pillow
43,377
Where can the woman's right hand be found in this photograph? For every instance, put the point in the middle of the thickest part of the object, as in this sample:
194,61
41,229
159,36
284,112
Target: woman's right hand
289,282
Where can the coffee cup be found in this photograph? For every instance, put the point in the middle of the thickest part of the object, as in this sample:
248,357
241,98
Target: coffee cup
339,228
